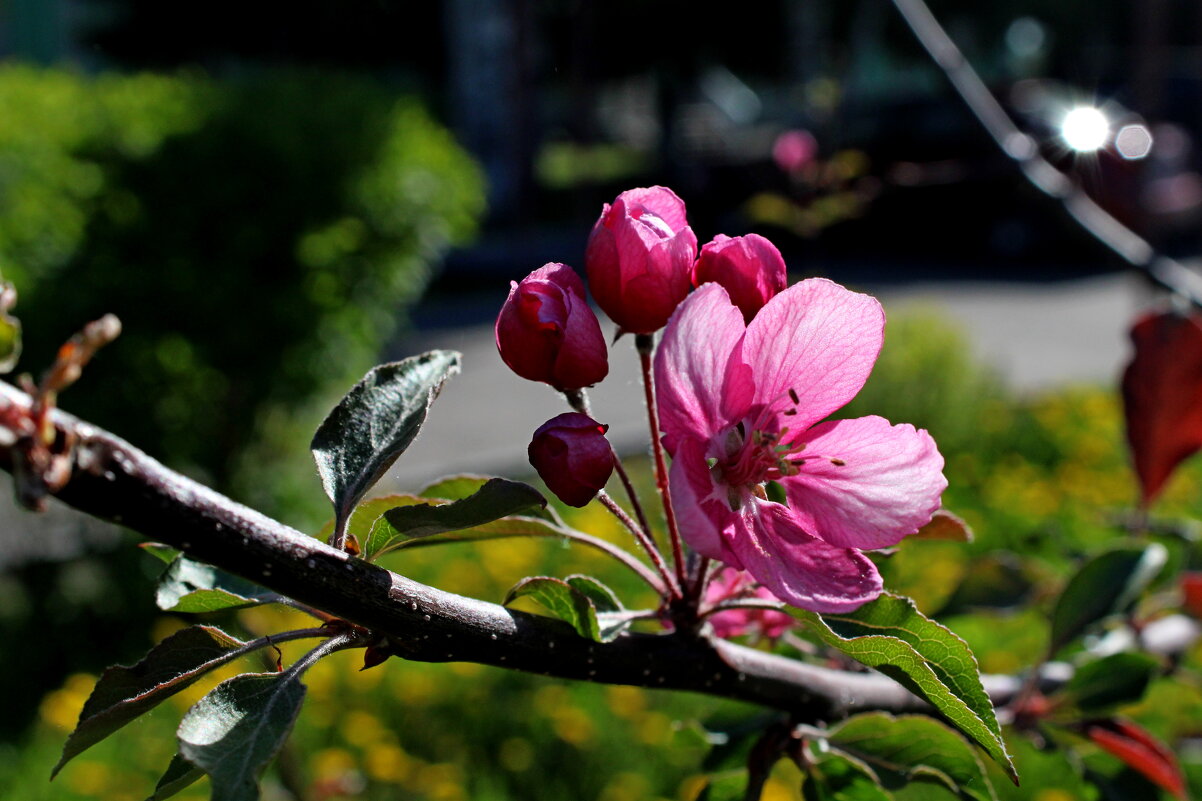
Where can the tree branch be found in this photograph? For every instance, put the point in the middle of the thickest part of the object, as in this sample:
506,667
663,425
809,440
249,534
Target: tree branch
1159,269
115,481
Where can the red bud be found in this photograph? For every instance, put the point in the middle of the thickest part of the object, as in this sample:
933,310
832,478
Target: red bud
572,456
547,332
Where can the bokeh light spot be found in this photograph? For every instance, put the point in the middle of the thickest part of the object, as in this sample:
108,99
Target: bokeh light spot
1085,129
1133,141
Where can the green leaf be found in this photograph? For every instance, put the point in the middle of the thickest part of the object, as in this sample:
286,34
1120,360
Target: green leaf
124,693
496,498
234,731
366,514
1120,678
454,488
609,608
913,748
836,777
179,774
889,634
164,553
1109,584
575,600
193,587
374,423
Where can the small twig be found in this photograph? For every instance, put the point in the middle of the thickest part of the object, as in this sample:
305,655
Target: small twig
634,499
643,540
1021,148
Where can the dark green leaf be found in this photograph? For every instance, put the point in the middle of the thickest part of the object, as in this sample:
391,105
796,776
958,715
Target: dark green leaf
913,748
374,423
603,597
889,634
179,774
124,693
366,514
513,526
609,618
1106,585
234,731
164,553
453,488
836,777
566,602
1120,678
496,499
191,586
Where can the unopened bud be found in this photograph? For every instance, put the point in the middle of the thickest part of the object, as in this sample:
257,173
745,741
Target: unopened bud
572,456
547,332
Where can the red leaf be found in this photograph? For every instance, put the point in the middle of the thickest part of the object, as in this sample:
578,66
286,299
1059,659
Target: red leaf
1162,397
1139,750
1191,588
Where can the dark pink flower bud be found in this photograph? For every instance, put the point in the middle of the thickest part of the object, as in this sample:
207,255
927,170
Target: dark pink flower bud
638,258
731,584
572,456
547,332
749,268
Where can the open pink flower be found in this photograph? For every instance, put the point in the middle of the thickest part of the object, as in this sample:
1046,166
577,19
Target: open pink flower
740,405
733,584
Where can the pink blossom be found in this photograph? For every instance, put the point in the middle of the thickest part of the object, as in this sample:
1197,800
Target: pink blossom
794,149
740,405
732,584
639,256
749,267
546,331
572,457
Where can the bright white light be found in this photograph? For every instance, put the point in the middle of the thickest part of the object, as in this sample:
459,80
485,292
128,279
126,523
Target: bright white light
1133,142
1085,129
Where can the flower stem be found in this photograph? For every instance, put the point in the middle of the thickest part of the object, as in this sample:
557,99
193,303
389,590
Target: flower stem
643,343
634,500
702,578
578,400
641,535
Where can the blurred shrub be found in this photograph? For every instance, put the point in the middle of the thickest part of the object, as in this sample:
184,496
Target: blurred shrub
259,240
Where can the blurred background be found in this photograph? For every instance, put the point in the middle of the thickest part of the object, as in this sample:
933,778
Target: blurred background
273,197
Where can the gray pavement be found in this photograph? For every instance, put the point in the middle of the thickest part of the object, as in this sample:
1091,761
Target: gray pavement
1038,336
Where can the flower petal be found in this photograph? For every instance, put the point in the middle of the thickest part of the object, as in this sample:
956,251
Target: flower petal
701,505
797,568
884,483
692,364
818,340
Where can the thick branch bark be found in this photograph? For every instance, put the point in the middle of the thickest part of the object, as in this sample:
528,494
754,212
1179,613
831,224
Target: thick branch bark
115,481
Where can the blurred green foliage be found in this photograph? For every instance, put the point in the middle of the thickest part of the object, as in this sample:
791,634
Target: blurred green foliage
259,239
